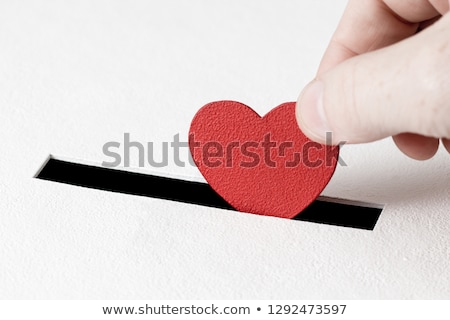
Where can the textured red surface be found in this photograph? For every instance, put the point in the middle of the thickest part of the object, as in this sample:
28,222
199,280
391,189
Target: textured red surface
288,176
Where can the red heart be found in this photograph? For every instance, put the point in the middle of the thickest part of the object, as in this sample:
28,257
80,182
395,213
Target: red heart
259,165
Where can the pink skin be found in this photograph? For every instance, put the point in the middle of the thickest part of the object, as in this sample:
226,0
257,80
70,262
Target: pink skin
386,72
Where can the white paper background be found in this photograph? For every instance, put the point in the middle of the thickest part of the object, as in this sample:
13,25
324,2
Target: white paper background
77,74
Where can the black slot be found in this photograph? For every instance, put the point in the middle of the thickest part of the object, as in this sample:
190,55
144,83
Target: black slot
320,211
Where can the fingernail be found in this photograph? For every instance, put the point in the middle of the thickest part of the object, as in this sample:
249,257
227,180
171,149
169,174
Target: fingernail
310,112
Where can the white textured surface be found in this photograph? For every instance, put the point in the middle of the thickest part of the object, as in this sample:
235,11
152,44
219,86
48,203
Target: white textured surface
76,74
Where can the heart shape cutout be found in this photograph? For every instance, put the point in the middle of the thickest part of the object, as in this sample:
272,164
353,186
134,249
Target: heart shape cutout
261,165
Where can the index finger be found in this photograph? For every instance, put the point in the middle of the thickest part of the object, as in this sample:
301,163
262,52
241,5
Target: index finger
367,25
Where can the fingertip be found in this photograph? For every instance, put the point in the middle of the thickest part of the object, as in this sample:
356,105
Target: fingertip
446,143
310,114
416,146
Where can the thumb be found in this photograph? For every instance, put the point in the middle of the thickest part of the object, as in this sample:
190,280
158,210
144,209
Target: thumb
400,88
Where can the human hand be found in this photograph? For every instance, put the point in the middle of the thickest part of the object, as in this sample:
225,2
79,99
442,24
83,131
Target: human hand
386,72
